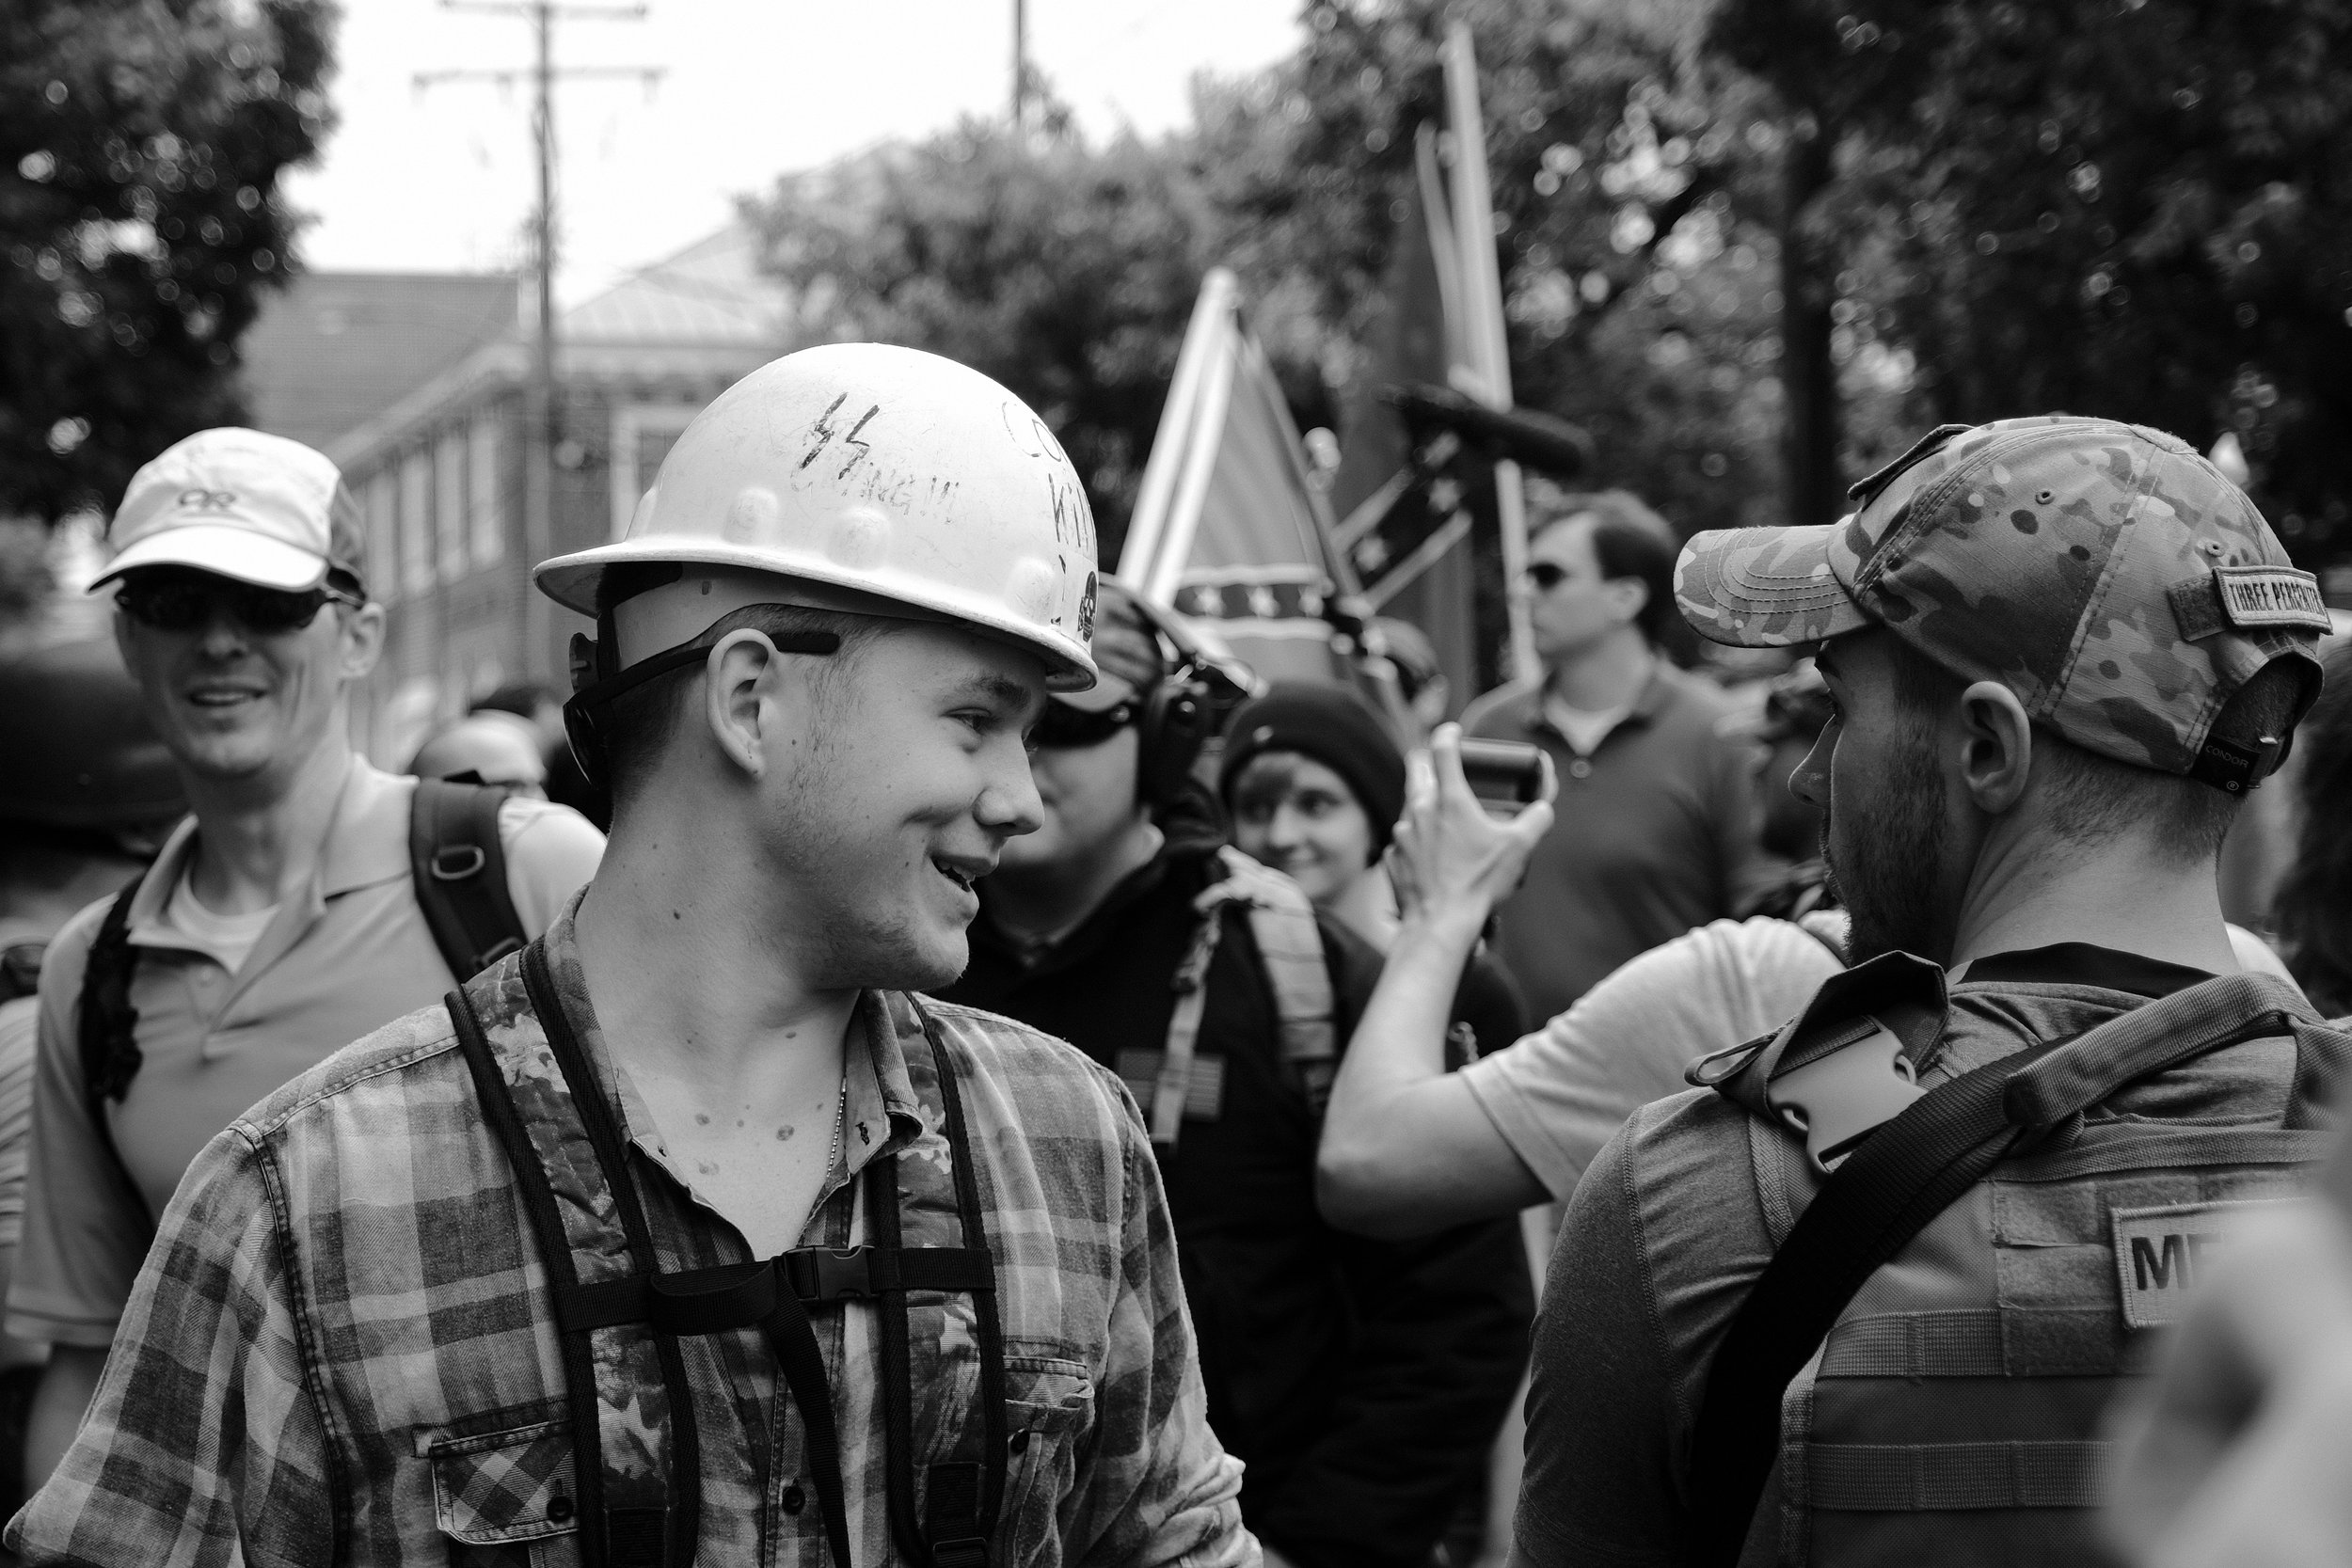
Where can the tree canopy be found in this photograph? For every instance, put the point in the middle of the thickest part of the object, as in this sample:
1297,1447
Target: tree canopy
1754,245
140,147
2134,208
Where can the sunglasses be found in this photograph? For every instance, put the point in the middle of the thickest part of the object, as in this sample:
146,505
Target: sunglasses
587,717
1547,576
185,606
1063,728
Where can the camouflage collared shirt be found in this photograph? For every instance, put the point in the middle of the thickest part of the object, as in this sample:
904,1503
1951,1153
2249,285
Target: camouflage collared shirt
341,1351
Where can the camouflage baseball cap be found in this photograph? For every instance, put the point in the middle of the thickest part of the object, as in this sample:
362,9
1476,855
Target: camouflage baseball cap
2105,572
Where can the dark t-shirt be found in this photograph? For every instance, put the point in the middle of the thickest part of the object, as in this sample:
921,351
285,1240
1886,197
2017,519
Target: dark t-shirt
1361,1381
1488,1016
1655,834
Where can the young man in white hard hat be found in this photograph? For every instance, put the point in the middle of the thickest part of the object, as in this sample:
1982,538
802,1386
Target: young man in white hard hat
689,1234
285,917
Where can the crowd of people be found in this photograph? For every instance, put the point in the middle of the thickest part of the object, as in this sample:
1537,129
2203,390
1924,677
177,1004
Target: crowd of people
920,1058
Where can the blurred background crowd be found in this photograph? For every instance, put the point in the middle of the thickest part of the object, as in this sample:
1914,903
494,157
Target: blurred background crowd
1399,353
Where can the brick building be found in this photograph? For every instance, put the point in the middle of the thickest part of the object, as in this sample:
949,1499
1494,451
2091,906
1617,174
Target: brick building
414,386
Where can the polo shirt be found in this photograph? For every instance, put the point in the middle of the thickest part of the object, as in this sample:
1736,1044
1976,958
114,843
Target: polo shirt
1654,834
344,955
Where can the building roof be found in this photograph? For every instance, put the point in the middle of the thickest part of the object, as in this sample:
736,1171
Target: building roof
712,291
336,348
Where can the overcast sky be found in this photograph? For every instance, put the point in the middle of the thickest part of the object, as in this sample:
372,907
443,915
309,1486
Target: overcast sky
441,181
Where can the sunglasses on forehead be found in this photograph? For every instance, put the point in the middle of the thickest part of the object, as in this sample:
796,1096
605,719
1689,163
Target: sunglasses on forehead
1063,728
184,604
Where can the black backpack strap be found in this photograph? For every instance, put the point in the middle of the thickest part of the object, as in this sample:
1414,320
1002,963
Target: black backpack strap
109,1026
460,873
962,1499
555,1255
1891,1187
635,1534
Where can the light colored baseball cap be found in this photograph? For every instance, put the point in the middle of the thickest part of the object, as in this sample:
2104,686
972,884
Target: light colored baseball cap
240,503
2109,574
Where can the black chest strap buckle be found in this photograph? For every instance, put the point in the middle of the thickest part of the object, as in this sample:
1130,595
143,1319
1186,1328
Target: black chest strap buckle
741,1295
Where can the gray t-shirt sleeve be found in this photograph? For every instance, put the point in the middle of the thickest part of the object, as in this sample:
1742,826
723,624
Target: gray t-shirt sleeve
1600,1485
1561,1093
1660,1246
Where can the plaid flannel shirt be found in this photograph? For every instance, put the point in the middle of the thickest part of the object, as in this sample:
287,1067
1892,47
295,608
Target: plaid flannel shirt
341,1349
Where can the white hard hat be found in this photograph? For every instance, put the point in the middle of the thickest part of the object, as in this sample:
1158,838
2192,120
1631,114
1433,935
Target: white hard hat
884,470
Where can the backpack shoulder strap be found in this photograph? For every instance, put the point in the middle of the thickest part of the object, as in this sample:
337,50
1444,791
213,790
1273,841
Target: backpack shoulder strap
1282,924
108,1032
459,868
1900,1177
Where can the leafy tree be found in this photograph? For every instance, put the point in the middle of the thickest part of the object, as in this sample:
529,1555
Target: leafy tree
1635,271
2137,208
1064,271
140,146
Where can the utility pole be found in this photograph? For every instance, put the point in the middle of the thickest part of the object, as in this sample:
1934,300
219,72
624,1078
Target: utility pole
1020,64
539,394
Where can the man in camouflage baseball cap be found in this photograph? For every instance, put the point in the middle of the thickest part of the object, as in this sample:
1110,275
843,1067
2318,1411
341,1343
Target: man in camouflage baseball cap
2059,651
2106,575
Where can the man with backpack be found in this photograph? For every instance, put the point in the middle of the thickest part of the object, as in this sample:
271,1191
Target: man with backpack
1362,1382
692,1233
307,899
1864,1296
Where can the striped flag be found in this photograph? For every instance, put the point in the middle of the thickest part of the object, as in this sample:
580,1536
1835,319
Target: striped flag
1228,529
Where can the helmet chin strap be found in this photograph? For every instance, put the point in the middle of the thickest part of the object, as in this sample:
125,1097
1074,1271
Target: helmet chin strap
677,611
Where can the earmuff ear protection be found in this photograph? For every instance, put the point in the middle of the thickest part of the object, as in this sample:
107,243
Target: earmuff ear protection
1185,709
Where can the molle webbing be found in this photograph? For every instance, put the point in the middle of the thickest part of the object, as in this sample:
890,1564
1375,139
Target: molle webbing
2041,1294
1898,1478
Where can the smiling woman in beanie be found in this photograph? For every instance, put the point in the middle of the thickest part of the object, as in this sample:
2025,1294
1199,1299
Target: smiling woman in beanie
1314,785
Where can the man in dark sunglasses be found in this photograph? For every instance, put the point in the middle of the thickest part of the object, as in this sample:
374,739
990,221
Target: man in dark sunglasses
1656,828
280,920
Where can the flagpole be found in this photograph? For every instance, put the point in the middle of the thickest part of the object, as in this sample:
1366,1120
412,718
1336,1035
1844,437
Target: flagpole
1482,289
1177,429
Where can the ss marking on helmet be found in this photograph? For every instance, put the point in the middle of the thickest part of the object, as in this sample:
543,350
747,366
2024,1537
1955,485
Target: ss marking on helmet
206,500
823,431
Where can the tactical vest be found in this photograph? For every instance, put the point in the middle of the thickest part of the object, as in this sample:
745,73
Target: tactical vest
618,1320
1928,1357
1174,1082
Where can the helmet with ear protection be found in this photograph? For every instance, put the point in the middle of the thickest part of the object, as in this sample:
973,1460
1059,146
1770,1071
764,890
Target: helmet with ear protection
1185,709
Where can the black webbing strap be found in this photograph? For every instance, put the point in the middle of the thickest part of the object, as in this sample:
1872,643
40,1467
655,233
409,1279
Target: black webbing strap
109,1035
1897,1179
738,1295
555,1256
625,1529
459,869
964,1497
802,1362
964,1500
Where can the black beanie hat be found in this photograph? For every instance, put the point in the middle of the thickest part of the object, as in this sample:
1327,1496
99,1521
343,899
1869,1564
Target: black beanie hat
1334,726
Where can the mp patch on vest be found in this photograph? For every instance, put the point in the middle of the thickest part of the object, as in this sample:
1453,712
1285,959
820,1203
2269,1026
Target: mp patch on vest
2161,1254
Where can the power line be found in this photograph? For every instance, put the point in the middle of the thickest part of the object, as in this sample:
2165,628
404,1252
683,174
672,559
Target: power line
539,412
